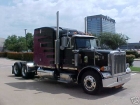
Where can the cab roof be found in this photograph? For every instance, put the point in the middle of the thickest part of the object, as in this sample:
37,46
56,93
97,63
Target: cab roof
66,31
78,35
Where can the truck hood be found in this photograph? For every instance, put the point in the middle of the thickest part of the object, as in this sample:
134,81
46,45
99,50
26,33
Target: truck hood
100,55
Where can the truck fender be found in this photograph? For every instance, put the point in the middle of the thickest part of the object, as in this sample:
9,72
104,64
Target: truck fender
93,68
30,65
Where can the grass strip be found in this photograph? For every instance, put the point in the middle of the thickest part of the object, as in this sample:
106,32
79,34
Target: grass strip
135,68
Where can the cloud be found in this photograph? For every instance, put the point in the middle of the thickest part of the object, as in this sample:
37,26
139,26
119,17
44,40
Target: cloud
128,23
31,14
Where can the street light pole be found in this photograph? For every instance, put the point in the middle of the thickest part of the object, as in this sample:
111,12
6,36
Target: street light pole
127,42
26,39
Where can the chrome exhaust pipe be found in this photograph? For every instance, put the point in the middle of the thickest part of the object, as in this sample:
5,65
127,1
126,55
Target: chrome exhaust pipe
57,43
57,34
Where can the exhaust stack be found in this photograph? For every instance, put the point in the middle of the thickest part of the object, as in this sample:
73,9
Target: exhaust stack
57,34
57,43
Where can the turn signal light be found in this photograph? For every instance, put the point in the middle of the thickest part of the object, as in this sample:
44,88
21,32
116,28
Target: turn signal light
104,68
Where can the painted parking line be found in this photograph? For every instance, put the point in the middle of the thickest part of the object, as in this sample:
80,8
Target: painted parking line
133,73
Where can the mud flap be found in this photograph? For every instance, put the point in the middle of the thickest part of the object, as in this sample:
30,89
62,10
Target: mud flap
12,69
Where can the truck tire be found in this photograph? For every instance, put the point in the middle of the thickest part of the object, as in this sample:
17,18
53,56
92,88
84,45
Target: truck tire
31,75
25,73
91,82
17,69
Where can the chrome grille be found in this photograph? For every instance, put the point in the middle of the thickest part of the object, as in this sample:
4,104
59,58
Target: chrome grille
117,61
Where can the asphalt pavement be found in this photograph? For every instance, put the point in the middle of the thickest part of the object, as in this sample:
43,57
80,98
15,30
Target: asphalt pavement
19,91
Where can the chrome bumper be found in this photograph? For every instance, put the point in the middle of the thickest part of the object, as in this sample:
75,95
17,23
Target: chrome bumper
116,81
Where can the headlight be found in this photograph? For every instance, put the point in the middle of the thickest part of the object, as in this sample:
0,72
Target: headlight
86,59
128,70
105,68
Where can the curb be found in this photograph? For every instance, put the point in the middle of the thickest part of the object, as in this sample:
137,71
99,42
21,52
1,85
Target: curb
136,59
135,72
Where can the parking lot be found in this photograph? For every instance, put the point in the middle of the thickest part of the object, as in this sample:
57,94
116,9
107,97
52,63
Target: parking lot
37,91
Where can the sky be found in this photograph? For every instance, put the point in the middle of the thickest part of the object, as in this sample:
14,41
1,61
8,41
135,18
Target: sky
17,15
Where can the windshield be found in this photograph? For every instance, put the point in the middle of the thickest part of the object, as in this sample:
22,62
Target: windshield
93,43
89,43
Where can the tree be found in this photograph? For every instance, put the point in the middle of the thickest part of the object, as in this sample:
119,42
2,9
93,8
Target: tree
19,43
29,39
112,40
10,42
14,43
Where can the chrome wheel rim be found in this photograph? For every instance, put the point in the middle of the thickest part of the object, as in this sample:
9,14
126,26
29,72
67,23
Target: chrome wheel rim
89,83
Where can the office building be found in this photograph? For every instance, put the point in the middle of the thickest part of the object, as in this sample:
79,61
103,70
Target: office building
130,46
98,23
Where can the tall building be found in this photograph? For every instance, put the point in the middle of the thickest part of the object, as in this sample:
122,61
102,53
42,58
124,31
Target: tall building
99,23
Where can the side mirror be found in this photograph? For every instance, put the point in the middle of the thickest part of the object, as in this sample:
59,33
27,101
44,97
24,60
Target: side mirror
98,43
65,42
69,43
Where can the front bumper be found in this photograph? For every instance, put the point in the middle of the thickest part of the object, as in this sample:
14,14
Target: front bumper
116,81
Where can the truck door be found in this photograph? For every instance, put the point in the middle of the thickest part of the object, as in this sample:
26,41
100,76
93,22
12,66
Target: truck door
68,57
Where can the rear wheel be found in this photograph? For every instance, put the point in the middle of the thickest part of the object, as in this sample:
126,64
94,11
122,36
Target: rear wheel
17,69
91,82
32,75
25,73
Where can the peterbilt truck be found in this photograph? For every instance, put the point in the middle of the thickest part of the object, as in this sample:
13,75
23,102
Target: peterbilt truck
68,55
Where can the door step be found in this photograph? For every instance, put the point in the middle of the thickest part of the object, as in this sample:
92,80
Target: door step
66,78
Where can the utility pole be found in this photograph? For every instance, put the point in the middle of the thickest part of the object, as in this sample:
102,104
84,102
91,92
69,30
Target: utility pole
26,39
127,42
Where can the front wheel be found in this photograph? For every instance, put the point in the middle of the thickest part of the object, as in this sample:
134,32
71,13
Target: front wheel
91,82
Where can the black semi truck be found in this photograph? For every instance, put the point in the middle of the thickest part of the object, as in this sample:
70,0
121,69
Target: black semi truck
68,55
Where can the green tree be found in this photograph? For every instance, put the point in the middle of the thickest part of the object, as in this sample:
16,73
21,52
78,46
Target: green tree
29,39
14,43
19,43
112,40
10,42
